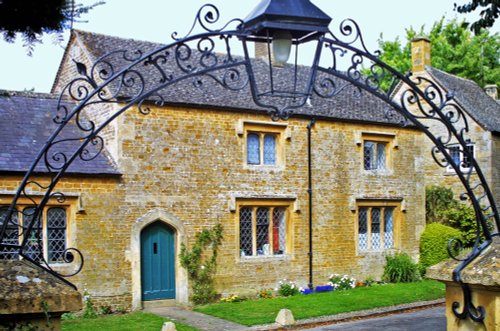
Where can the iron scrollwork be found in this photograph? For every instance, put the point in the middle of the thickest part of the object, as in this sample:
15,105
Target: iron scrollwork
141,77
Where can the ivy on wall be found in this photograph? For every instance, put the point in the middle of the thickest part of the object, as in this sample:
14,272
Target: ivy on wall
200,263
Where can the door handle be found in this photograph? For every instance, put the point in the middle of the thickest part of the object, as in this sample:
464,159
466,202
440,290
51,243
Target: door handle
155,248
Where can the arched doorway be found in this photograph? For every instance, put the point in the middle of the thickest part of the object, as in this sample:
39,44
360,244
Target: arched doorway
157,262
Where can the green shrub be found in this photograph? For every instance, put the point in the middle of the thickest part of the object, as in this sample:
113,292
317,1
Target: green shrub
400,268
463,218
437,201
434,243
287,288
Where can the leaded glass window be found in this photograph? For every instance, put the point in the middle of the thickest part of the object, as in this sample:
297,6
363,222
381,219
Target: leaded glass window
262,231
463,159
47,238
374,155
279,231
246,242
56,234
253,148
269,149
34,246
262,148
11,235
363,228
375,228
388,228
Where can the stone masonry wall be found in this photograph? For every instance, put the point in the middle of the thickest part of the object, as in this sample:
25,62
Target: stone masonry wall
190,164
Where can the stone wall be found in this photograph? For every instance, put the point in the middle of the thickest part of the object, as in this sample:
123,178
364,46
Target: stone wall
189,165
484,147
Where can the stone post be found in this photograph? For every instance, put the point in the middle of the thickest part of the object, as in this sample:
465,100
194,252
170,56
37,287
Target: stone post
32,298
483,278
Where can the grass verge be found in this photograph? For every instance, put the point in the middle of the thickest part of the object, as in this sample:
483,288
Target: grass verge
137,321
264,311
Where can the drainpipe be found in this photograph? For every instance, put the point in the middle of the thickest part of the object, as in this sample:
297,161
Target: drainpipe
309,191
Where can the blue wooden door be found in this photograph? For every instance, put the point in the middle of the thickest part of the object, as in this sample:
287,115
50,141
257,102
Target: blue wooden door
157,262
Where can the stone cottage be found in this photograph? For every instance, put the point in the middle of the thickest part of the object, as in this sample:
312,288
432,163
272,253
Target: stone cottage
481,109
208,156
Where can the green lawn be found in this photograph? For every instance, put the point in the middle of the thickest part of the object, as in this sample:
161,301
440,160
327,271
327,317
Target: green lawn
254,312
137,321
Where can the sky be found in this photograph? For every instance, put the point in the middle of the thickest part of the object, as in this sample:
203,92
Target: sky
155,20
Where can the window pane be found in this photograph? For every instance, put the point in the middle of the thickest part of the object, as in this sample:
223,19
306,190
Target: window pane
455,155
467,163
11,235
263,231
368,151
363,228
375,228
279,231
269,149
388,228
56,234
380,156
253,149
246,246
34,245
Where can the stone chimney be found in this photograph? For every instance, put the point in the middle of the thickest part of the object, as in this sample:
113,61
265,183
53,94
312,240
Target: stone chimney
492,91
261,51
420,53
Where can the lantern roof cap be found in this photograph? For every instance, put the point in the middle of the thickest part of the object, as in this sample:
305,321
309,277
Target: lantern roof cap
300,17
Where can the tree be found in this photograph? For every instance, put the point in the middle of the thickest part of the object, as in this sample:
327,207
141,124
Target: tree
488,15
454,50
33,18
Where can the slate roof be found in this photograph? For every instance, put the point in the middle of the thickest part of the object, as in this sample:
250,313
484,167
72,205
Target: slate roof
473,99
348,105
26,124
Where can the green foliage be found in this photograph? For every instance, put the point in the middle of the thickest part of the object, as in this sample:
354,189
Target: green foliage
488,14
437,201
287,288
88,308
454,50
400,268
200,265
126,322
32,18
463,218
434,243
253,312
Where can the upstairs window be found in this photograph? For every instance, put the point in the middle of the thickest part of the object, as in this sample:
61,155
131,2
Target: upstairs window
263,144
261,148
462,159
377,151
374,155
263,230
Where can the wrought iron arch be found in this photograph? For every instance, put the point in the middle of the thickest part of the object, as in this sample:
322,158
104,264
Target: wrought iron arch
124,78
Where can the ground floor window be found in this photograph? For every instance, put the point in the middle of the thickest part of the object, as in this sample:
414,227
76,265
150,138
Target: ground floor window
48,238
263,230
376,227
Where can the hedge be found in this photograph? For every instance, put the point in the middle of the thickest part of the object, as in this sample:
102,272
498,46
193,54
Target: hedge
434,242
